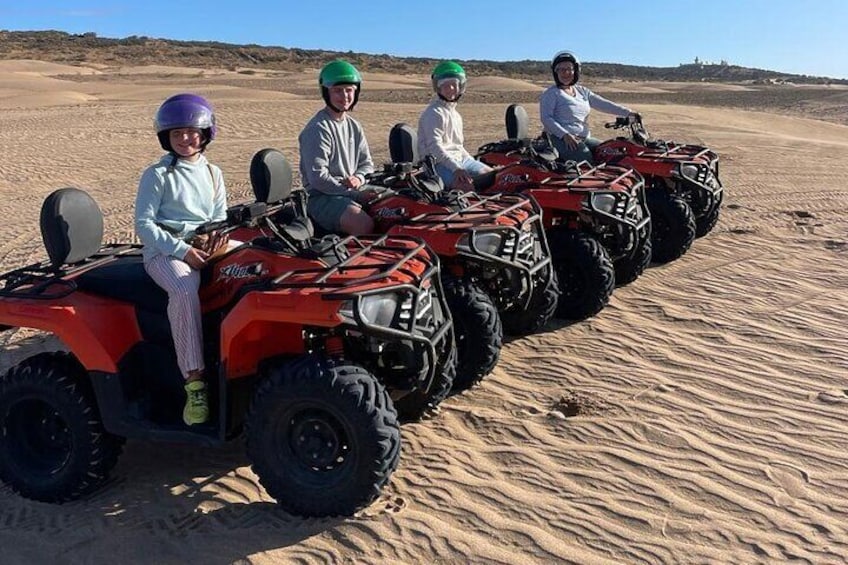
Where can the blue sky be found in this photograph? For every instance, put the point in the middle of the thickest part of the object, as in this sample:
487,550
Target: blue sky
778,35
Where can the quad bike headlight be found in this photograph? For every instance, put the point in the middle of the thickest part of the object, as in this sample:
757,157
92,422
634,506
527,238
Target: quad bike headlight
379,309
487,242
604,203
689,171
374,309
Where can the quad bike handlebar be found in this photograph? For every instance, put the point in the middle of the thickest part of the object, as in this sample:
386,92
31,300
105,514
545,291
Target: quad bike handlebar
637,129
625,121
419,178
238,215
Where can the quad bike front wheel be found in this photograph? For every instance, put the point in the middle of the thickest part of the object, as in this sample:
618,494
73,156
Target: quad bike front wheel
323,436
523,321
628,269
53,447
585,272
707,218
419,403
477,329
672,225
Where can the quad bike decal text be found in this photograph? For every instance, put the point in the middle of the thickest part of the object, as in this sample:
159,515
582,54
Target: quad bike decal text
242,271
391,212
612,151
514,179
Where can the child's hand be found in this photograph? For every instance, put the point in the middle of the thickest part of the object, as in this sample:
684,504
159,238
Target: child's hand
352,182
196,258
215,242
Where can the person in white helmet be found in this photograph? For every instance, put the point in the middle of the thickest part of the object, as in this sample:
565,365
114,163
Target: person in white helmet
565,106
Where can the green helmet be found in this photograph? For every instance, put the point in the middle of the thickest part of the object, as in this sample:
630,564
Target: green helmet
339,72
448,69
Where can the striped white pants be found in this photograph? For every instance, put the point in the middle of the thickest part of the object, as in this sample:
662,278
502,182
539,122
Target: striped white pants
182,283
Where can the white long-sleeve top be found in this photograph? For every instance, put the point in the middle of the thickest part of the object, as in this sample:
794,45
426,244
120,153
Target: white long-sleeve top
440,134
562,113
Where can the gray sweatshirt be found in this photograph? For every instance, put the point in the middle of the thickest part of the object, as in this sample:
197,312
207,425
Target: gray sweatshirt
333,150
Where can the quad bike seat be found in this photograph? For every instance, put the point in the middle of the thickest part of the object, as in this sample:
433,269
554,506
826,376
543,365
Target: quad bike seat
72,231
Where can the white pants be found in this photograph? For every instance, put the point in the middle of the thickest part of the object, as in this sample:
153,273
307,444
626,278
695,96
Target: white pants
182,283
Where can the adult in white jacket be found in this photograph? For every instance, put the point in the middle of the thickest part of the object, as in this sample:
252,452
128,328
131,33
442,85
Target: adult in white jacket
565,106
440,130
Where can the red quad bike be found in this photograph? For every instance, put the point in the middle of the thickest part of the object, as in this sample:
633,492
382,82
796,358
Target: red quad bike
676,175
306,343
606,202
496,265
583,266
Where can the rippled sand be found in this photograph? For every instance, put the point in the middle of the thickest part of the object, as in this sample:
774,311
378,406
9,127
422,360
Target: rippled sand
700,418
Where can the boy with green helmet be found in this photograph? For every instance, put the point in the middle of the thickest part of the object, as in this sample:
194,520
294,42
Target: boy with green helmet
440,130
334,155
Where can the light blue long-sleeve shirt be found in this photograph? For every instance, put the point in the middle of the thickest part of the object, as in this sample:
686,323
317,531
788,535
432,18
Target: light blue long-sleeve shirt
332,150
172,201
562,113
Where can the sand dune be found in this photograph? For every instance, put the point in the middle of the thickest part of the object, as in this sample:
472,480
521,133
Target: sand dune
700,418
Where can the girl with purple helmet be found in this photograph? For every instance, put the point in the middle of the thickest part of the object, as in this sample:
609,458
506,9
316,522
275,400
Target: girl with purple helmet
176,195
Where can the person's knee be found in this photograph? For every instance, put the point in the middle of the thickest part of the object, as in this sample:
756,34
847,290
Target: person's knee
355,221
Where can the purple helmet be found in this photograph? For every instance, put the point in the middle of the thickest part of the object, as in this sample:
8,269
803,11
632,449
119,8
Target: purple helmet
185,111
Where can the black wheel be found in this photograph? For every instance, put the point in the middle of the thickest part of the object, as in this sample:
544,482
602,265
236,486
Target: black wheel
53,447
585,273
477,330
628,269
323,437
705,222
419,403
543,303
672,225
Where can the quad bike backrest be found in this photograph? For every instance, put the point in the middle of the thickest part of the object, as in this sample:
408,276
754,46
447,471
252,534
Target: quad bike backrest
71,226
518,129
270,176
403,144
517,122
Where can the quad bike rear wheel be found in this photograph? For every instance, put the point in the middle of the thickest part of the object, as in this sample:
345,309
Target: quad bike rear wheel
419,403
672,225
520,321
477,330
323,437
53,447
585,272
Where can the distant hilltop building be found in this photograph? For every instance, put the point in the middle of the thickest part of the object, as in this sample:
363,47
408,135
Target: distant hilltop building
699,62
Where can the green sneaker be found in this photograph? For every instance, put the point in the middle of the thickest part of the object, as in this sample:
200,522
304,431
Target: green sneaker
197,403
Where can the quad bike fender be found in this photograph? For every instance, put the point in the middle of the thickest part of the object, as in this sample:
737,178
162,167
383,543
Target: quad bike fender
265,325
98,331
